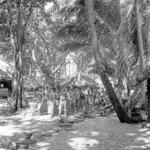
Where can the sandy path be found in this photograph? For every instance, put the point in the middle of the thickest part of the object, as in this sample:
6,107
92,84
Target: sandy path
101,133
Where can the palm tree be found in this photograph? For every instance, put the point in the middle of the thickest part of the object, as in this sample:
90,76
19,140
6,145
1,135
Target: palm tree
140,42
122,115
77,36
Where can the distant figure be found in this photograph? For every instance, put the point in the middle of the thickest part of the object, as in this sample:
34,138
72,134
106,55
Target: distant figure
62,106
72,103
9,101
38,99
43,107
68,102
50,101
86,103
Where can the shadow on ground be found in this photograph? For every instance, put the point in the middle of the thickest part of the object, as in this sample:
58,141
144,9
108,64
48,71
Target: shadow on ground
99,133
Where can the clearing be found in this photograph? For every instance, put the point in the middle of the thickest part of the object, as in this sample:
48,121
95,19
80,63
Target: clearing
99,133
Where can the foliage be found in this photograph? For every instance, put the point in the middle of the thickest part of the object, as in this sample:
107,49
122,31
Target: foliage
50,35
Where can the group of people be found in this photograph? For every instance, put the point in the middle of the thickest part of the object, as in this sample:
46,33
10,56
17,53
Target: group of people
69,100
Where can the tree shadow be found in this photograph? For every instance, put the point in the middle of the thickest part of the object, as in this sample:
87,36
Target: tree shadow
4,111
141,140
90,134
103,133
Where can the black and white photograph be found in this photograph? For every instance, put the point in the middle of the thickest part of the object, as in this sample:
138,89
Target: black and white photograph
74,74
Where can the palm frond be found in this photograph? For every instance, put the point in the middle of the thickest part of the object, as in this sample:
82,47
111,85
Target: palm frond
127,47
79,28
74,45
109,12
110,68
73,30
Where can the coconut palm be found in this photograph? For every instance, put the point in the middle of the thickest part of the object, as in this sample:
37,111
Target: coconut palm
116,35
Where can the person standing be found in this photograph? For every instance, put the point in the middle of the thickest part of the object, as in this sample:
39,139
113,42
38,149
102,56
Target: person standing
43,106
72,101
68,101
86,103
50,101
82,98
62,106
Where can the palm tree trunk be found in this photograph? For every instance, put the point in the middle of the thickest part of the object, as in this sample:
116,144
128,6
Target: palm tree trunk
140,43
148,97
122,115
148,62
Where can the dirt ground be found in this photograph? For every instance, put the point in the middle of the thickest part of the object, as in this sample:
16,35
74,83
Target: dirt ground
99,133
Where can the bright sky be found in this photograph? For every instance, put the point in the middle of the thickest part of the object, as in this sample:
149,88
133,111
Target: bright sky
49,5
71,68
5,67
122,1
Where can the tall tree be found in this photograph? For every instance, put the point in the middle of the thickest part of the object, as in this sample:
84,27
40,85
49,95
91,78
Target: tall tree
122,115
19,13
140,42
146,33
17,30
